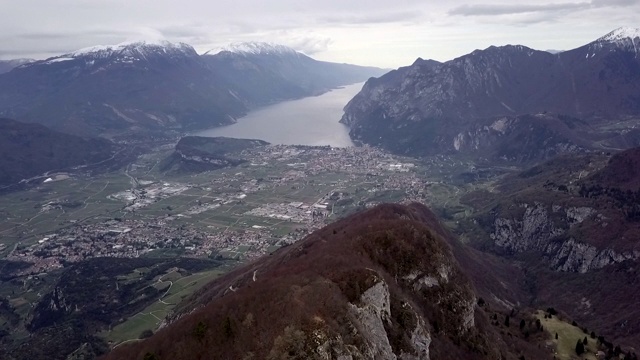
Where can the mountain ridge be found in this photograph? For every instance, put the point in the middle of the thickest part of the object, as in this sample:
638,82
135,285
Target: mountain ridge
362,287
253,48
426,108
160,88
8,65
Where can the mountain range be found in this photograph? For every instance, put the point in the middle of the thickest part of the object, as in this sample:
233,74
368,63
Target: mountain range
508,102
160,87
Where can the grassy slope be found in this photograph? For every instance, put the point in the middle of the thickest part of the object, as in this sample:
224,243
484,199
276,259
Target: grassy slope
568,336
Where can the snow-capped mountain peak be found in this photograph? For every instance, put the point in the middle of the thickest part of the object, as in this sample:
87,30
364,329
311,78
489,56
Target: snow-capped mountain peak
132,48
254,48
622,33
625,38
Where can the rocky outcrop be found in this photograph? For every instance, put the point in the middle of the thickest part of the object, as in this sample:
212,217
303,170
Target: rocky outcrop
530,232
372,313
574,256
535,230
519,139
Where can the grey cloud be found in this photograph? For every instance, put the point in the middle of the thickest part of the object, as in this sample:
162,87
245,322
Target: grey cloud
309,45
510,9
379,18
70,34
605,3
184,31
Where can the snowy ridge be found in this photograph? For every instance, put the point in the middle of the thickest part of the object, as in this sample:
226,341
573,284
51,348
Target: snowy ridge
254,48
622,33
625,37
132,48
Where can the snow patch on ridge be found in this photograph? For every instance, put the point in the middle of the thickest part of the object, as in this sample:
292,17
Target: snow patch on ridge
253,48
58,60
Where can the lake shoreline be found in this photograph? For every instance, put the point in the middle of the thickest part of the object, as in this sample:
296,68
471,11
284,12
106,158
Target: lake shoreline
309,121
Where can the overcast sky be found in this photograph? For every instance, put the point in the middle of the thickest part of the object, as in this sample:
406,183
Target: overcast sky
386,33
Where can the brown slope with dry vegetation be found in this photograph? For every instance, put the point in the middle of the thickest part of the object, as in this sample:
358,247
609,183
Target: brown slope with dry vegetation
380,284
573,223
622,171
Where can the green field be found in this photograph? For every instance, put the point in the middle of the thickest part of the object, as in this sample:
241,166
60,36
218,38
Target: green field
152,316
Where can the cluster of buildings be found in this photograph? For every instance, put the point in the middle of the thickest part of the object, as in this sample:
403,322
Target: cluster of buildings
293,211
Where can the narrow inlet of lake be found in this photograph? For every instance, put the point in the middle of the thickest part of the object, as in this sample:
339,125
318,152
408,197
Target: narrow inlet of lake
307,121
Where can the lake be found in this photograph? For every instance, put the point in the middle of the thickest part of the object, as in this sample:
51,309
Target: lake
308,121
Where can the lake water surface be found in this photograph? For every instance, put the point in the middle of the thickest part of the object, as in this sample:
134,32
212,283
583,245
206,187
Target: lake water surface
308,121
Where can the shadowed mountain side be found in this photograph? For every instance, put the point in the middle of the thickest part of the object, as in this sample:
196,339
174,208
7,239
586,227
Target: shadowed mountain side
8,65
622,171
271,74
27,150
379,284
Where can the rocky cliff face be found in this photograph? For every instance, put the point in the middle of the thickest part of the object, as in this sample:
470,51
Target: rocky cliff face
578,211
420,108
570,224
546,230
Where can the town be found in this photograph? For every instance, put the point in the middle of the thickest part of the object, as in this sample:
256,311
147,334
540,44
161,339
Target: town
281,195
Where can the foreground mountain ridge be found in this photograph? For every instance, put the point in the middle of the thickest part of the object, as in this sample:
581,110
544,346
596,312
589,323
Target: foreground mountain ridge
380,284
